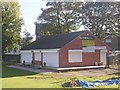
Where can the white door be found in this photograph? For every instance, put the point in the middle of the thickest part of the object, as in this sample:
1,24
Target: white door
103,56
51,59
26,56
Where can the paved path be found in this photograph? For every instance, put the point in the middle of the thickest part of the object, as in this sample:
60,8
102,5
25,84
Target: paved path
32,69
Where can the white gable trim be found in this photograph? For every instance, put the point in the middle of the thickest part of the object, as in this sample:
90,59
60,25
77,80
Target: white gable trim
100,47
49,50
75,50
25,51
90,49
40,50
94,47
36,51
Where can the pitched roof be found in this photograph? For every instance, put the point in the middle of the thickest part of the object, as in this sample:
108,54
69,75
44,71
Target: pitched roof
52,42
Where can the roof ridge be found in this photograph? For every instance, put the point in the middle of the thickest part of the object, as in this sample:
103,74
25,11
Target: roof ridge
62,34
53,41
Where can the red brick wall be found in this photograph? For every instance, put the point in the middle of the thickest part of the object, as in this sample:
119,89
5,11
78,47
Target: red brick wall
37,62
88,58
91,57
63,59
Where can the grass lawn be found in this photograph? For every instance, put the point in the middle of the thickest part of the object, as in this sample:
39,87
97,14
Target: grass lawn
14,78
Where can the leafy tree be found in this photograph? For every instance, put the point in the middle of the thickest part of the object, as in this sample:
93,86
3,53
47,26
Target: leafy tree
69,16
11,25
50,19
26,39
100,18
59,17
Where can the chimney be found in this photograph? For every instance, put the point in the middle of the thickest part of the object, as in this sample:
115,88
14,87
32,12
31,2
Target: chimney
37,30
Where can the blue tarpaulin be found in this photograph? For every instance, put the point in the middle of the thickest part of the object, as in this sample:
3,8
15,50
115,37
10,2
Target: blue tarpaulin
86,84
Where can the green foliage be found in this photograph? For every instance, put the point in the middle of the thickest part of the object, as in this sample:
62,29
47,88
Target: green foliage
58,18
101,18
11,25
26,39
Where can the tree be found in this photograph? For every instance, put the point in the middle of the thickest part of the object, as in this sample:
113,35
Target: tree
50,19
11,25
100,18
69,16
26,39
58,18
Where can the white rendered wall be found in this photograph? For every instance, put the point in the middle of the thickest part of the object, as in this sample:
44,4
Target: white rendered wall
26,56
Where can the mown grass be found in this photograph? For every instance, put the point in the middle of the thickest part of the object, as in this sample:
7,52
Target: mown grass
12,72
14,78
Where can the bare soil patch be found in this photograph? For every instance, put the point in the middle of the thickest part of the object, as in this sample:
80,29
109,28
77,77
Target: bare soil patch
88,73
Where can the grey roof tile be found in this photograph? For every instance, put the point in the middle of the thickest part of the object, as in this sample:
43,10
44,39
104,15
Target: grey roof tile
53,42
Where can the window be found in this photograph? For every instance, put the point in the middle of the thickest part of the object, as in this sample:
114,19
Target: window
108,40
75,56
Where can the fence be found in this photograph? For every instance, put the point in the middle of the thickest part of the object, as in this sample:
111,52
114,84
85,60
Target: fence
114,60
11,58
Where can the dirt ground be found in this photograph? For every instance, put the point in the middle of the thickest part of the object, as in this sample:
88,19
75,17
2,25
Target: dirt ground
89,73
86,73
